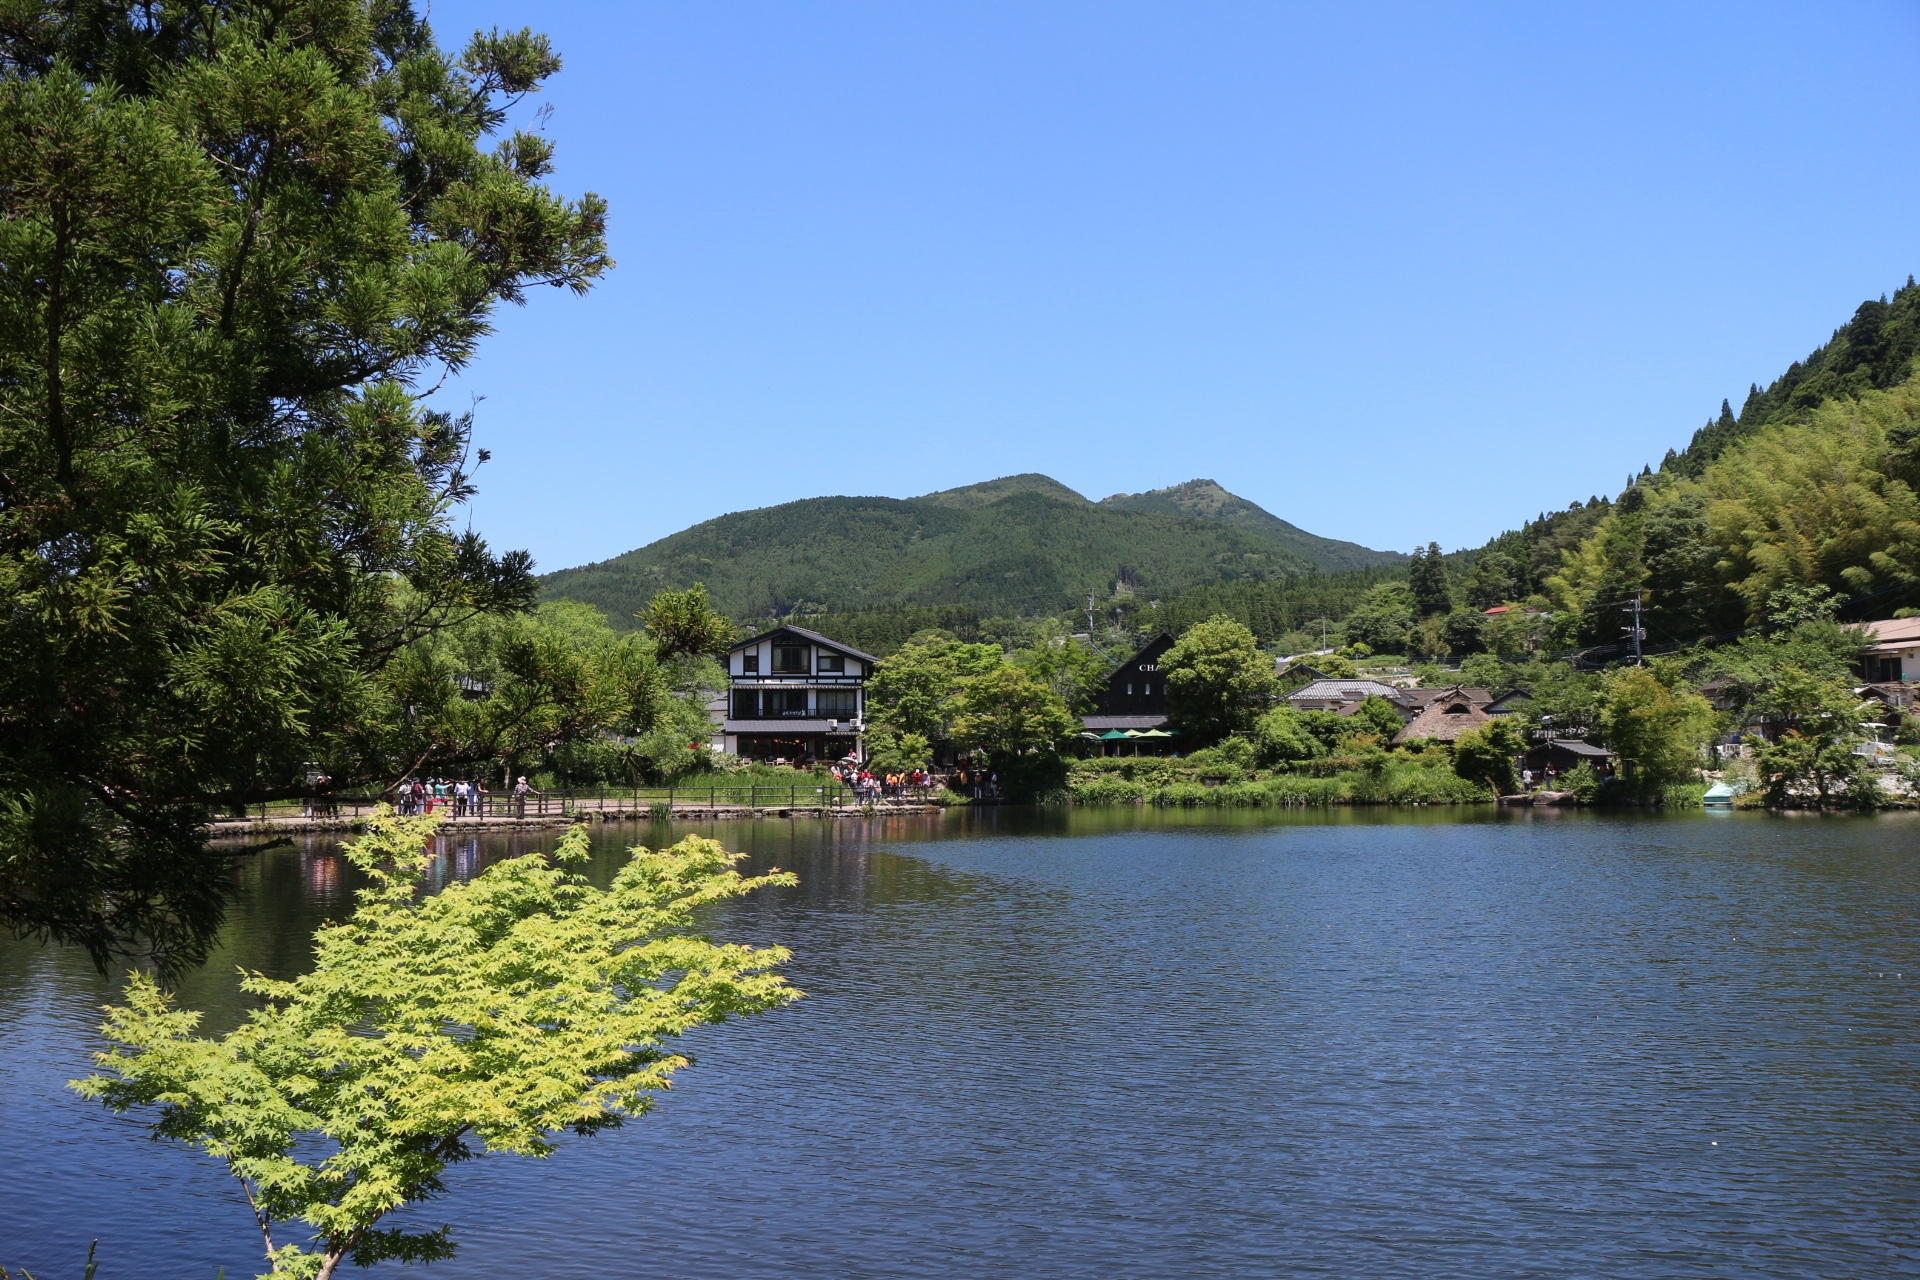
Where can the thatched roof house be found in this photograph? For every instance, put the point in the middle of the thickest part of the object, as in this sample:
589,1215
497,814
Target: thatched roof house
1445,718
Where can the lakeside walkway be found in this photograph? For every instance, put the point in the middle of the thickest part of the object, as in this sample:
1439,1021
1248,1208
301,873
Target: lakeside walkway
610,809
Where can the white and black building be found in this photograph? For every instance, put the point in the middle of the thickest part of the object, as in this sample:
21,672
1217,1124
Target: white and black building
794,695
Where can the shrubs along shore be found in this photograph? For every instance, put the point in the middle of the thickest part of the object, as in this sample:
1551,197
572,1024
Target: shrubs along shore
1184,783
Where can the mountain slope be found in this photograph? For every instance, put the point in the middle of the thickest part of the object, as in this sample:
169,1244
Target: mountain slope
1811,486
1206,500
989,491
1871,352
1025,551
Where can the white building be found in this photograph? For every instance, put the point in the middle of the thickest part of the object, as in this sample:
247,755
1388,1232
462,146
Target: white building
1894,653
794,696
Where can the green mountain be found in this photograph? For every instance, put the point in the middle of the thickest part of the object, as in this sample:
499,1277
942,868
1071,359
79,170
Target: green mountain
1206,500
1811,486
1018,545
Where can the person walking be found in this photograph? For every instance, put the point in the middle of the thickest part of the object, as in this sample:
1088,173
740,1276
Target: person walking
520,792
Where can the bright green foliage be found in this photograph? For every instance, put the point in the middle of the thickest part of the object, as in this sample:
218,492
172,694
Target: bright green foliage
487,1017
1824,503
1873,351
1655,723
1825,650
914,690
541,691
889,750
1427,579
684,624
1584,781
1487,755
1383,619
1065,665
1235,753
1377,717
1518,631
1329,728
1494,579
1007,713
236,237
1218,681
1280,738
1819,722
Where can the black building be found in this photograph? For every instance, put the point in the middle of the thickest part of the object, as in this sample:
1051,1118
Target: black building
1136,693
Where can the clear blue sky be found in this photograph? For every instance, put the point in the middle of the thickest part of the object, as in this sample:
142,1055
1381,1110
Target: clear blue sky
1396,273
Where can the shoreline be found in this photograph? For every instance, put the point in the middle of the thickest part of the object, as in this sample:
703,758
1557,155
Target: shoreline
547,822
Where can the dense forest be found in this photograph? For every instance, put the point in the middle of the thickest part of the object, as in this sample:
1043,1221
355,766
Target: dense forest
1018,546
1206,500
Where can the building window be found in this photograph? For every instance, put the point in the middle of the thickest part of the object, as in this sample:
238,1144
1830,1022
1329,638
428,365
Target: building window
784,702
746,704
749,664
837,704
831,663
1129,688
789,658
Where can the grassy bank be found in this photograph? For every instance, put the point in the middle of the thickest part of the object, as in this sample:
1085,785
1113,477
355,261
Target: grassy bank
1170,783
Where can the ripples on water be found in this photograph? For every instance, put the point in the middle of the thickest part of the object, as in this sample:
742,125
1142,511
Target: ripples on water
1095,1044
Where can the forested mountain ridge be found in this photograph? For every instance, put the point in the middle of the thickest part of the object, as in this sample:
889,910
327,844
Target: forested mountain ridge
1206,500
1811,486
1026,552
1871,352
1022,545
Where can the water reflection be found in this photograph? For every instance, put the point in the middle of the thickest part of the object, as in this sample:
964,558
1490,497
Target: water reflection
1118,1043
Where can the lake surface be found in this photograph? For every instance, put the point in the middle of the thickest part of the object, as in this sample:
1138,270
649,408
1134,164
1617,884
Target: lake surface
1109,1044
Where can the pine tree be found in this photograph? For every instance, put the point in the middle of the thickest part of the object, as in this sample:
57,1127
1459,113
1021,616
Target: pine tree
236,238
1427,575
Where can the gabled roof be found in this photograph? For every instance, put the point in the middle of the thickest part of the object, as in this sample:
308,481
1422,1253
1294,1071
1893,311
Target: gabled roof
1500,705
1893,630
811,637
1442,723
1328,689
1573,746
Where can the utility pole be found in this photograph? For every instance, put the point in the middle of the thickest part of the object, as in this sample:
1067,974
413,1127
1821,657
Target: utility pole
1638,632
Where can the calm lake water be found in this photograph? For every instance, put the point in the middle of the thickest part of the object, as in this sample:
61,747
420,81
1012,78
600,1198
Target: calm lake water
1117,1044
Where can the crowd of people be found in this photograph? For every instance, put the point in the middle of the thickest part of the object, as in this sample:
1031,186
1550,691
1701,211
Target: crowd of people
915,784
458,798
887,785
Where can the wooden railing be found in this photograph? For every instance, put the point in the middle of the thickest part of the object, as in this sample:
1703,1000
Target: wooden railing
567,802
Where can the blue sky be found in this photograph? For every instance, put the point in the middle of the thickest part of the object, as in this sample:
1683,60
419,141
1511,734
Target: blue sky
1396,273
